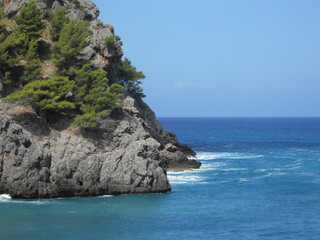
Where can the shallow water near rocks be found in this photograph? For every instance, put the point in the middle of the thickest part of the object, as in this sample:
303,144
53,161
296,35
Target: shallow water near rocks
260,179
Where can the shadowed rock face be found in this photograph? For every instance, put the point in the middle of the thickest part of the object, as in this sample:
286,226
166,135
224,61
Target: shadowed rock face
128,152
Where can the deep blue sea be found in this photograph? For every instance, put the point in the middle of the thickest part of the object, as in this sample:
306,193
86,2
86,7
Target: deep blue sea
260,179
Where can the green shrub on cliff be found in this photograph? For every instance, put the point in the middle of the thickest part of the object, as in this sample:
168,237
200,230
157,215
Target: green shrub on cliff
130,78
12,51
30,20
53,94
32,69
86,78
20,45
112,42
58,22
93,94
73,38
87,90
97,103
30,26
13,48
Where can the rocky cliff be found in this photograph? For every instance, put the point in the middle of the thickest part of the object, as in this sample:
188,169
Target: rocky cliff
128,152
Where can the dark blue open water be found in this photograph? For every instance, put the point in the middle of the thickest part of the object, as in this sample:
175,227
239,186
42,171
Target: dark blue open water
260,179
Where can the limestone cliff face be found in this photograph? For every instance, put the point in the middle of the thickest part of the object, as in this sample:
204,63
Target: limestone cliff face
128,152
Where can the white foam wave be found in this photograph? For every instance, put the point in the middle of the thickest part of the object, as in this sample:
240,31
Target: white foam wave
279,173
310,174
293,168
243,179
5,198
214,164
224,155
173,178
261,170
106,196
195,175
255,178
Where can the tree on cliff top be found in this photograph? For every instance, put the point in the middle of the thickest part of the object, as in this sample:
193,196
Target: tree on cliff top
30,20
130,78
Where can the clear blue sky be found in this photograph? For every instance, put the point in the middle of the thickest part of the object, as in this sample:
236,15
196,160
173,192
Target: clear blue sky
227,58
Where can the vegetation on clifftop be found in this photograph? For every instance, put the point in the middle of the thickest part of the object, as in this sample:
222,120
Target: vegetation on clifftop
75,85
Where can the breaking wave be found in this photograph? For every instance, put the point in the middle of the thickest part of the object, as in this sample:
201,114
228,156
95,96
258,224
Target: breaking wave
5,198
224,155
179,178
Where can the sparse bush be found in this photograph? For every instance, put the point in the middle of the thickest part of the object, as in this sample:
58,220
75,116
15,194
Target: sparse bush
110,42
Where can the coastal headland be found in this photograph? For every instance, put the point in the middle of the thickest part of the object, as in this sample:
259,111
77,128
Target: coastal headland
58,146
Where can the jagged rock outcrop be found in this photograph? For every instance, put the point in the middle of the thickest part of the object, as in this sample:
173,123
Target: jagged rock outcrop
128,152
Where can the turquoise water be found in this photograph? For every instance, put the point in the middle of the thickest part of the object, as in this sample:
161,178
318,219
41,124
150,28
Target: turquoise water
260,179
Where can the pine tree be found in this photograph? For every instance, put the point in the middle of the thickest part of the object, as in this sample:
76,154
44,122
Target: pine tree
12,50
53,94
97,103
30,20
130,78
73,38
88,92
57,23
93,95
32,69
